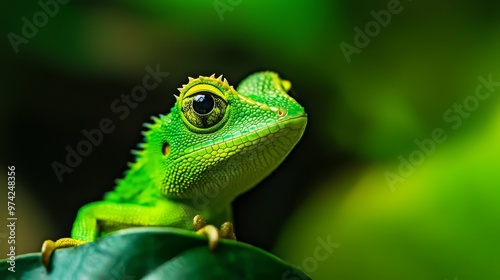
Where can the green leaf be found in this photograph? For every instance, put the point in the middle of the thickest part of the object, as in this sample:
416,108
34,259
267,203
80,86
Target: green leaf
154,253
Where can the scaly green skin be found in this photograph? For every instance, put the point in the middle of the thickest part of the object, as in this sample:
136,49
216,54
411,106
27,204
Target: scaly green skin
195,163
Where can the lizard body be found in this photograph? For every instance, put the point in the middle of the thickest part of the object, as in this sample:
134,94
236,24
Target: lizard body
216,143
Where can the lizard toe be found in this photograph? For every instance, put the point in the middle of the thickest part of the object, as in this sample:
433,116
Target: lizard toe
49,246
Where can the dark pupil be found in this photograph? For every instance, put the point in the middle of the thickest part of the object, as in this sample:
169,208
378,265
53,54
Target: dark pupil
203,103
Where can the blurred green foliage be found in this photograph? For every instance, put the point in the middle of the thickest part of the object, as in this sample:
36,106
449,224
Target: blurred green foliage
440,222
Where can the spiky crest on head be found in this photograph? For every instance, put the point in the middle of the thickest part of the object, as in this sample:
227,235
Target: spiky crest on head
220,82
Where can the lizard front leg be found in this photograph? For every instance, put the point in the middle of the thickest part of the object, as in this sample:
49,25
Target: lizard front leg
86,226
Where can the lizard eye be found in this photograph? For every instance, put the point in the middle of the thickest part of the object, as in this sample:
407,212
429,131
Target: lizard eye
204,109
203,103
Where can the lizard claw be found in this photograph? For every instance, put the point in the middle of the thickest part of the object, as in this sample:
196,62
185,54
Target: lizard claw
212,233
227,231
49,246
198,222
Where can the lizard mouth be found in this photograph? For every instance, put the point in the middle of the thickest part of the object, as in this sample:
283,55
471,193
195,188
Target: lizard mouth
285,133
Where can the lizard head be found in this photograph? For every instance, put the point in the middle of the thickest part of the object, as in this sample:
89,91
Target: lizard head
218,142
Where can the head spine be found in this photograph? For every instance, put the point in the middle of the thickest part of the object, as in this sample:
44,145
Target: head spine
220,81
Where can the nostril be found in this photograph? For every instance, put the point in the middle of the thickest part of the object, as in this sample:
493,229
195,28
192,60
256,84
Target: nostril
281,113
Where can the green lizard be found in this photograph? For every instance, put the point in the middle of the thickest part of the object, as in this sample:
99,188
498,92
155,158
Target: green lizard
216,143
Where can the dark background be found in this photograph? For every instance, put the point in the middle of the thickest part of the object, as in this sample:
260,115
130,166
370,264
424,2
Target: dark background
441,222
